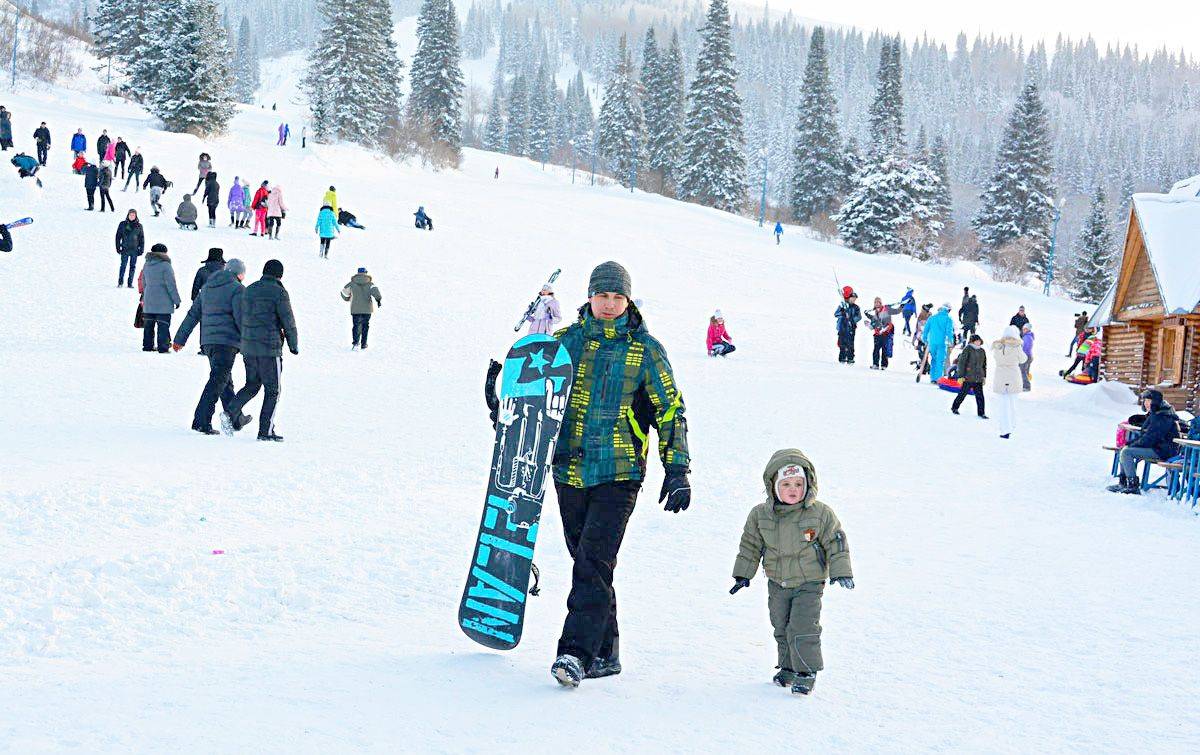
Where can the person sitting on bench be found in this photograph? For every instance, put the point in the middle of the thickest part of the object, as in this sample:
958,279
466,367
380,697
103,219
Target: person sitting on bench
1155,441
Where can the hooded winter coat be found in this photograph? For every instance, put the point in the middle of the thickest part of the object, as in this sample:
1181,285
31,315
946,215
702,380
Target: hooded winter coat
206,271
327,226
798,543
267,319
545,315
136,162
939,330
217,310
331,200
716,334
972,365
6,126
159,293
1027,344
1008,354
908,303
260,198
275,206
969,314
204,166
130,237
212,189
121,150
187,212
155,179
104,178
1160,428
362,294
110,152
91,176
102,145
237,197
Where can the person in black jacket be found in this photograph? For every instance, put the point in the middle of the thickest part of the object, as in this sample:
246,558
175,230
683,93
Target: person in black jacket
102,144
214,262
212,197
1155,441
158,184
42,137
1019,319
5,239
847,316
131,241
91,177
135,171
104,182
120,155
266,321
968,315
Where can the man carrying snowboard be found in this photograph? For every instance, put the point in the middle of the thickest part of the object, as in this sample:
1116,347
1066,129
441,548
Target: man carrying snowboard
623,384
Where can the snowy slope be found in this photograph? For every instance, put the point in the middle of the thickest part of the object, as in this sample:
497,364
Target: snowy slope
1005,602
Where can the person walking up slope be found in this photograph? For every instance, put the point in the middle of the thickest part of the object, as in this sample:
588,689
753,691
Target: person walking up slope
212,197
266,321
120,155
104,180
259,206
908,308
972,372
718,342
778,233
135,171
330,199
214,262
130,244
800,543
237,198
1008,353
326,228
546,314
276,211
363,295
880,319
91,179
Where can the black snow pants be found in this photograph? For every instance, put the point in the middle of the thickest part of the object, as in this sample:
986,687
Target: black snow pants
261,372
846,346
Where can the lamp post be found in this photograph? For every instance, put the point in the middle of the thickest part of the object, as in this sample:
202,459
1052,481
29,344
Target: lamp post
762,205
16,27
593,157
571,142
633,168
1056,215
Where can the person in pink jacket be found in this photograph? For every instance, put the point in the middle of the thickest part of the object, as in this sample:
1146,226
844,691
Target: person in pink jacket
110,152
718,342
276,211
547,312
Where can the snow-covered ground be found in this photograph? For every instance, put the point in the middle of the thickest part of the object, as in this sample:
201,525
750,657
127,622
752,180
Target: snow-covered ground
1005,602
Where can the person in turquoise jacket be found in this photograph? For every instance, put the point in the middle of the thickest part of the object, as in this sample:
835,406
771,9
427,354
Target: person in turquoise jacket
327,228
938,334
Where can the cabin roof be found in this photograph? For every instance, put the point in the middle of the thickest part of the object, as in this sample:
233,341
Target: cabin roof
1170,225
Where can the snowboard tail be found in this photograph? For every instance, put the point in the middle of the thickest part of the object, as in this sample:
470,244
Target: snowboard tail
533,396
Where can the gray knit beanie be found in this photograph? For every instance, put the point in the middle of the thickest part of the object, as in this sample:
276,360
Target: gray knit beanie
610,277
236,266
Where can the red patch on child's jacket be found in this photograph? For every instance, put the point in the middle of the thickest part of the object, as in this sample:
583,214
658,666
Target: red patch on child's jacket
810,535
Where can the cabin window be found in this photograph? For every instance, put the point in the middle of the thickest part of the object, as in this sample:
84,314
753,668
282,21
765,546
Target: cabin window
1170,355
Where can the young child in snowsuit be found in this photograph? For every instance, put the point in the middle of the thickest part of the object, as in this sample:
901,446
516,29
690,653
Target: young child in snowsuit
718,342
801,544
326,229
546,314
363,295
847,315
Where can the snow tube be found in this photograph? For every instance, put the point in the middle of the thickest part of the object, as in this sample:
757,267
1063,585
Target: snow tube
1079,379
949,384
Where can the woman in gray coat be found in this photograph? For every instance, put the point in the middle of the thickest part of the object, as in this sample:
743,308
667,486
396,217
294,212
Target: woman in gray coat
160,297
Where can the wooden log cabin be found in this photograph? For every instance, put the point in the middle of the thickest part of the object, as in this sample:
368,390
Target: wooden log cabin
1151,316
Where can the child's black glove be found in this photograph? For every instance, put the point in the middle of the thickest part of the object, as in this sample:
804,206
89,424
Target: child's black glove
846,582
738,583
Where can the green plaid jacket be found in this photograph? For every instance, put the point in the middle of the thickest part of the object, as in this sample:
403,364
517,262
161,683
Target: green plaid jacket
623,384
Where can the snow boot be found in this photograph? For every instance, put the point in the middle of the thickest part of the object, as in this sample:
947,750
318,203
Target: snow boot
1122,481
271,436
205,429
567,671
804,684
785,678
602,667
1132,486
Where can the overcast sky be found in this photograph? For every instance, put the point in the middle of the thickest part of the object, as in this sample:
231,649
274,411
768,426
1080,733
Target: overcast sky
1175,23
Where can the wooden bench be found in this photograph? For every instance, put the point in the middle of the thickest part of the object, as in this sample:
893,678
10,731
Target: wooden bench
1116,465
1171,470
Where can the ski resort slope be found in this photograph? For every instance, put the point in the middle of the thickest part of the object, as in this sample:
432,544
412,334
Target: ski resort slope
1005,602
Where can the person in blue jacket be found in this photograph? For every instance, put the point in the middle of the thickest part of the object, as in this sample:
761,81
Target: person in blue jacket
327,228
778,233
423,221
938,335
78,142
847,316
908,308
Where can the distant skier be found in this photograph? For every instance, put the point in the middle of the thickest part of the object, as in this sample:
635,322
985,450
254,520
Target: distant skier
276,211
972,372
546,313
883,330
423,221
158,185
718,342
104,181
938,336
326,229
347,218
801,543
134,174
212,263
42,136
216,310
203,166
847,316
1007,353
102,145
908,308
363,295
212,197
266,321
778,233
131,242
160,298
186,214
6,140
624,385
497,173
120,155
91,179
78,142
259,206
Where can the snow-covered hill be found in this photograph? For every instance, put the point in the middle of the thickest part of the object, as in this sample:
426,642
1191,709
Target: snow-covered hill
1004,601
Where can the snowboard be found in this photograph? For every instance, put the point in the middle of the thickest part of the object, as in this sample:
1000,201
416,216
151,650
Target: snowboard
535,383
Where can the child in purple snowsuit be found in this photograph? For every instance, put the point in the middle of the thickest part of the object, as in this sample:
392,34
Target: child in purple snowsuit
546,314
237,203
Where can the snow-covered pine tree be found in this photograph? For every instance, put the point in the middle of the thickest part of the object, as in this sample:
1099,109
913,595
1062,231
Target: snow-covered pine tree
541,116
354,74
620,122
194,93
1019,198
516,137
664,111
584,118
713,170
111,28
818,177
943,200
435,102
1095,251
886,115
494,132
245,64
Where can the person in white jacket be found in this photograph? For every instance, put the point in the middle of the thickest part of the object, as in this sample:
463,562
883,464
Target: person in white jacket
546,314
1007,355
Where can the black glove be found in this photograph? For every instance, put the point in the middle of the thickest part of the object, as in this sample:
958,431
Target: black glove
846,582
295,352
676,491
738,583
489,392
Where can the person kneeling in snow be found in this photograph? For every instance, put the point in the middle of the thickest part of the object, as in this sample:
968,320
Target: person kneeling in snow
187,214
719,342
26,166
423,221
801,544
